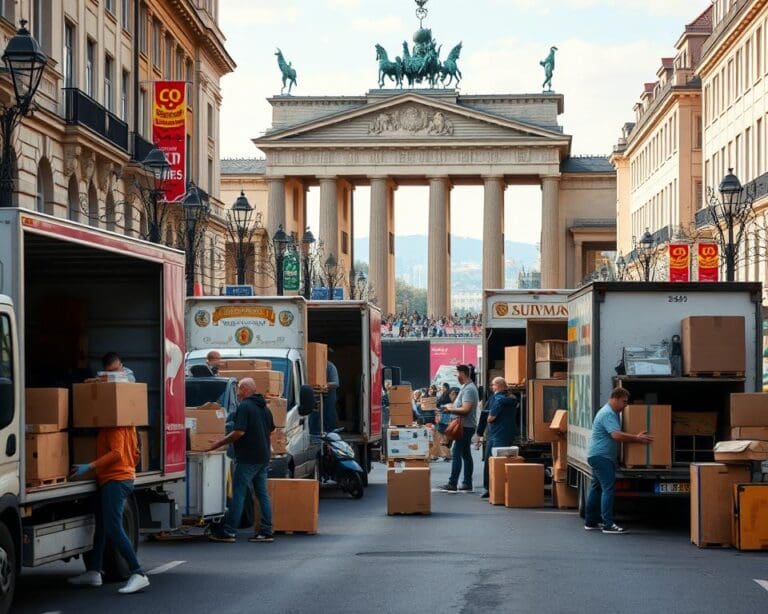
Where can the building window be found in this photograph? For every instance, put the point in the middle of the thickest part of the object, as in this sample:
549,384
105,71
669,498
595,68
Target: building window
110,6
142,123
90,68
69,55
125,88
143,29
38,21
125,15
109,78
179,64
210,121
156,43
168,57
210,175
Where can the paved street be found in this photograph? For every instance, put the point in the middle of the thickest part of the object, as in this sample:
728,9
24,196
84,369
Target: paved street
467,557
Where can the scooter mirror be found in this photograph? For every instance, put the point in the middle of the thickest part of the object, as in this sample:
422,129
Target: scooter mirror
306,400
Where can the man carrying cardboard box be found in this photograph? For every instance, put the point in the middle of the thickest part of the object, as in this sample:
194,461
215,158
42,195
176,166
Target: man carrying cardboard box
250,435
602,456
502,423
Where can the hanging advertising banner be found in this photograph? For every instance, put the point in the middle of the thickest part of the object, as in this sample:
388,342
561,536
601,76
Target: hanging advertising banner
169,133
679,262
290,272
709,262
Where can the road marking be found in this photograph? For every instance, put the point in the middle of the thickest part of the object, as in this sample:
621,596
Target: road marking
164,568
763,583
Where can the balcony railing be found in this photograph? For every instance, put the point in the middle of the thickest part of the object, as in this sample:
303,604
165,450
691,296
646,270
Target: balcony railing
756,189
140,146
81,109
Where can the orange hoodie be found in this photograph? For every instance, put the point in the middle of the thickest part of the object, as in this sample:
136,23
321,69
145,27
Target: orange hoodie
117,452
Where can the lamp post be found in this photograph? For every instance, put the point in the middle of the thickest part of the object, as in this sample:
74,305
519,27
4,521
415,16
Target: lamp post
306,246
240,228
158,166
196,210
621,267
331,269
361,283
25,61
644,250
280,241
732,210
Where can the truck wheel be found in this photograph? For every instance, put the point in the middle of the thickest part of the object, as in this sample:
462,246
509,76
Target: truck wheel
7,569
115,566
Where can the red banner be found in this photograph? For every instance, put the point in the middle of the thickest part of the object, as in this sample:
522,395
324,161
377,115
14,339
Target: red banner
709,262
448,355
679,262
169,133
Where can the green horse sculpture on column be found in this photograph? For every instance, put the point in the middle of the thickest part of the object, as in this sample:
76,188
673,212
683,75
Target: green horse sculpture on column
289,73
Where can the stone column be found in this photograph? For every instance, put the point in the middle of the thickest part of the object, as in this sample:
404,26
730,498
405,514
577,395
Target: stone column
329,217
378,256
275,204
438,263
578,264
550,277
493,232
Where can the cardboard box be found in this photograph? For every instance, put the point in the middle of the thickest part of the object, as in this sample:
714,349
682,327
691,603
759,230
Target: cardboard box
694,423
497,477
244,364
46,456
545,397
268,383
560,421
560,459
749,409
438,447
750,517
295,505
202,441
109,404
564,497
400,394
210,421
47,406
755,433
711,492
279,408
515,365
42,428
713,344
143,438
409,491
742,450
278,441
401,414
656,420
428,403
524,485
551,370
408,463
551,349
317,363
408,442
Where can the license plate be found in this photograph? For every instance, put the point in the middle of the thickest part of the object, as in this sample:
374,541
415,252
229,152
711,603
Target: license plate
672,488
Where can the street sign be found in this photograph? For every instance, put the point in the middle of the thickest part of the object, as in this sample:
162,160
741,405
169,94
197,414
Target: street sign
238,291
321,294
290,272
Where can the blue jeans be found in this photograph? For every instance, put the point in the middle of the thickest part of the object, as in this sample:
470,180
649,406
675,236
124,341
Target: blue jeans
462,451
600,497
244,475
109,525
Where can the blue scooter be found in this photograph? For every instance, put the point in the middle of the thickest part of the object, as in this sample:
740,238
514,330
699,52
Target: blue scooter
338,464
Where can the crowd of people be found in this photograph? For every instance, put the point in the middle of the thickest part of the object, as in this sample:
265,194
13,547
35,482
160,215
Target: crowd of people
416,325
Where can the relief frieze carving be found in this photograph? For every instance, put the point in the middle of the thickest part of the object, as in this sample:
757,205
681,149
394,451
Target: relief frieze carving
411,121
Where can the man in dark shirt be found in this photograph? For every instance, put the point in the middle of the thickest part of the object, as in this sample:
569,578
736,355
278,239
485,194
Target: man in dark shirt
253,425
503,417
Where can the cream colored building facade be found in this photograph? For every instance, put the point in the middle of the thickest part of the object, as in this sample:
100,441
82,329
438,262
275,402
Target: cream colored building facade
77,155
658,156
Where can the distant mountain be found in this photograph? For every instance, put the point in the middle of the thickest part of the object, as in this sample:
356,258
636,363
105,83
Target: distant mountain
466,260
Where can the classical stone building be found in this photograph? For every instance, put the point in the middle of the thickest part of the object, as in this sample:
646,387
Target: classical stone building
438,138
77,155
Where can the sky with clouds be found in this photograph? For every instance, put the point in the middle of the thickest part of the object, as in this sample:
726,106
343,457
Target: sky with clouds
607,50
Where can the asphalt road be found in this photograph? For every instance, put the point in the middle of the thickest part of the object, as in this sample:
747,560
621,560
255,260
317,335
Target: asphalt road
468,556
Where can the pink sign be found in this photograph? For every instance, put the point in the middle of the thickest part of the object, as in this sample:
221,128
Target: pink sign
451,354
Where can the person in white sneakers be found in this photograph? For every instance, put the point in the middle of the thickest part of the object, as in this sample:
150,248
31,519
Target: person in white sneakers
117,452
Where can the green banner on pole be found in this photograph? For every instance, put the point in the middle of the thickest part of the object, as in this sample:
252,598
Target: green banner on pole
290,272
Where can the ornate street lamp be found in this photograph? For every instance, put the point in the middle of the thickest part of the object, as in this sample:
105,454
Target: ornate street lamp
196,210
361,283
730,215
152,194
25,61
241,228
307,241
331,269
280,241
621,267
645,250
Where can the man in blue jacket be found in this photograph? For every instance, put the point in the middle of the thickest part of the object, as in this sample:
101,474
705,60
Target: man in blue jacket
503,420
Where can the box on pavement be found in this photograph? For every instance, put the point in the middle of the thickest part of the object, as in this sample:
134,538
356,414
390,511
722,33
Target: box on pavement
409,490
524,485
279,408
713,344
758,433
209,418
560,421
749,409
545,397
278,441
750,516
46,456
295,505
497,477
656,420
741,450
401,414
408,442
694,423
46,406
515,365
244,364
317,363
408,463
711,493
564,497
400,394
106,404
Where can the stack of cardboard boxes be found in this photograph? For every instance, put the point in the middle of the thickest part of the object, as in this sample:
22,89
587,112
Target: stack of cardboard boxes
497,477
400,405
46,439
295,506
551,359
206,425
409,489
563,495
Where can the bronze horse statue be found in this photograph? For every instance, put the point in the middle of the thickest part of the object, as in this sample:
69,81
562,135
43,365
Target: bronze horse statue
289,73
393,70
449,67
